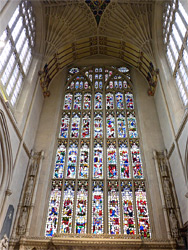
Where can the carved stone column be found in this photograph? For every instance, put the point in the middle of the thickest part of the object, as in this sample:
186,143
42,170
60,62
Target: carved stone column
28,195
167,191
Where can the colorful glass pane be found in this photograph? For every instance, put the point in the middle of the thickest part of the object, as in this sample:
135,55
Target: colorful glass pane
87,101
86,126
81,209
129,101
53,209
121,126
123,69
77,101
64,126
142,211
84,162
75,125
67,208
128,209
86,86
72,161
98,101
60,161
97,210
98,162
119,100
68,101
136,161
124,161
81,85
96,84
73,70
72,85
98,126
112,162
110,123
109,101
132,125
113,210
100,84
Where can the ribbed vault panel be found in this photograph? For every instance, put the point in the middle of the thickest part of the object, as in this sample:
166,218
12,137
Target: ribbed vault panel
130,22
66,22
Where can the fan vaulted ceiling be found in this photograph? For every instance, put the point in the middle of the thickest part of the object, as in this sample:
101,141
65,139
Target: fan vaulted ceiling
122,30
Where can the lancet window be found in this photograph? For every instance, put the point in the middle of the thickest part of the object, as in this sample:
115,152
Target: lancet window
98,178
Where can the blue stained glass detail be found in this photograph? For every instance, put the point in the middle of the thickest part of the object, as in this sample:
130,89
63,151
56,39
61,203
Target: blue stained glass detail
136,162
98,162
98,101
64,126
124,161
110,122
75,125
121,126
109,101
129,101
74,70
84,162
68,101
132,125
119,100
72,161
77,101
60,161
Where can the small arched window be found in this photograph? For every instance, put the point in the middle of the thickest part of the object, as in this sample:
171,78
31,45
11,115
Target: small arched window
17,42
175,32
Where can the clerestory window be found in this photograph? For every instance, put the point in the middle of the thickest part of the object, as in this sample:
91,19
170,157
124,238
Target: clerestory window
175,32
98,184
17,43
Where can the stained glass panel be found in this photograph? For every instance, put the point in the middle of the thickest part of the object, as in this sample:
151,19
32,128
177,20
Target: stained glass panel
81,208
53,209
77,101
121,126
132,125
112,162
68,101
142,210
87,101
109,101
128,209
113,208
84,162
124,161
75,125
98,101
136,160
129,101
97,208
110,123
64,129
72,161
98,161
119,100
67,208
98,126
60,161
86,126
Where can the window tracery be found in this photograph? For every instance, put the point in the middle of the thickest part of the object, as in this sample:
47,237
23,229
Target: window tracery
98,160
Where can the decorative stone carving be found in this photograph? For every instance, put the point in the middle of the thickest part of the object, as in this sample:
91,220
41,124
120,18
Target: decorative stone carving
167,192
22,221
28,193
4,243
174,224
163,168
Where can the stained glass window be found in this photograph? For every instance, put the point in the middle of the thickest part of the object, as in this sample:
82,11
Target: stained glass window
84,162
53,209
72,161
87,101
109,101
60,161
98,126
67,208
98,101
110,123
112,162
64,126
81,208
128,209
113,208
97,208
98,158
124,160
98,161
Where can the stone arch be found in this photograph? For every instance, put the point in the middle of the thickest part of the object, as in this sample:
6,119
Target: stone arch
186,161
6,165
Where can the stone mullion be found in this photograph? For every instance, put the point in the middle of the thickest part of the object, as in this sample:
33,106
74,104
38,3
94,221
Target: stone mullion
89,211
105,163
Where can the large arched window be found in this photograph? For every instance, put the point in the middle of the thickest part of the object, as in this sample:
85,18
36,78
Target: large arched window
17,42
175,32
98,184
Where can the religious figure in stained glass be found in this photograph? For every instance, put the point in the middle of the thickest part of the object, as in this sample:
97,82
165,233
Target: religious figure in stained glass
98,126
98,101
124,161
121,126
68,101
97,208
112,162
97,161
87,101
131,119
60,161
110,122
84,162
75,125
86,126
72,161
64,126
